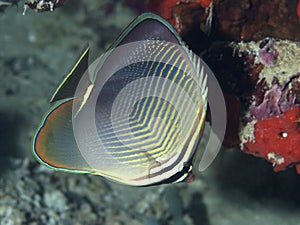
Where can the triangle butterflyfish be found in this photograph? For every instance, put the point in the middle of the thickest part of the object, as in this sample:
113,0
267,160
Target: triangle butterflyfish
135,115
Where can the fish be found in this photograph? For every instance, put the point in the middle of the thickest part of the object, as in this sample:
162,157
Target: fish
134,116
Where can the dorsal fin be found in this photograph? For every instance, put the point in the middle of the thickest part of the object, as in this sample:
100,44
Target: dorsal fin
68,86
148,26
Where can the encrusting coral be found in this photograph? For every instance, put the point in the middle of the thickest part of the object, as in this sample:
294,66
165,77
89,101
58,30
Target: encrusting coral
260,76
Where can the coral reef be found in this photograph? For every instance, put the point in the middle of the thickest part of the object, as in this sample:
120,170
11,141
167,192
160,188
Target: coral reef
273,112
277,139
185,15
258,74
43,5
264,76
256,19
234,20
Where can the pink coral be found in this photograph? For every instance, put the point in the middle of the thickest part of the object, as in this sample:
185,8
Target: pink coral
268,53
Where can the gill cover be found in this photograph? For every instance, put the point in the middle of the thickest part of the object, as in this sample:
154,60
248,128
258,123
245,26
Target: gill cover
135,115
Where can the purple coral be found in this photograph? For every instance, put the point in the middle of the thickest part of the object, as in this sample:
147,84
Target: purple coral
268,52
278,99
291,93
270,105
